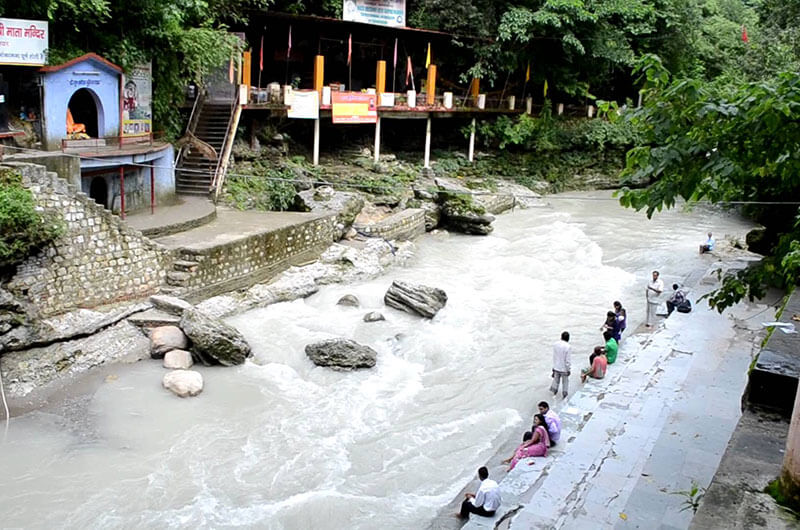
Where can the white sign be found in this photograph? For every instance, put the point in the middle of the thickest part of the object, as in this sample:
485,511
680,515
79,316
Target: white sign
380,12
23,42
304,105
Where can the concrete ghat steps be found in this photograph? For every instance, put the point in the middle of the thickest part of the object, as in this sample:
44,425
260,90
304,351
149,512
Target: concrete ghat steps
661,419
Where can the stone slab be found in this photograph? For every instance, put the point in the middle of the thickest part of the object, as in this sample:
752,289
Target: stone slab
153,318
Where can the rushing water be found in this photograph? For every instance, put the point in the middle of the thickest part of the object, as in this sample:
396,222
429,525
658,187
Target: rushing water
280,443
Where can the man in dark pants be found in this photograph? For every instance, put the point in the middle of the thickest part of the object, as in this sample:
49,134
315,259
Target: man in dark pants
486,501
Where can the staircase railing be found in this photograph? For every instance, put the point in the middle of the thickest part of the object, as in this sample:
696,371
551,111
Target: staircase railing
227,145
191,125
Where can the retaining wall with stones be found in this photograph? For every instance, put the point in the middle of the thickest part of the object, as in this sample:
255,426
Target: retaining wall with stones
99,260
406,224
204,272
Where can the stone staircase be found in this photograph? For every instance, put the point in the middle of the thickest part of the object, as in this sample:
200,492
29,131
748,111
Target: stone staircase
195,173
177,278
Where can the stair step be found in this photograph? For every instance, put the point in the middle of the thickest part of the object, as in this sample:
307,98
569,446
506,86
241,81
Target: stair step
177,279
183,265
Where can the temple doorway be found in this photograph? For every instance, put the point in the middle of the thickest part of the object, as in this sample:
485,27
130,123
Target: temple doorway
98,190
83,107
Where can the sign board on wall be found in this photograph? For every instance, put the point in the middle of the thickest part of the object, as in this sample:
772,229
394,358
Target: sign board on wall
23,42
304,105
354,107
137,101
380,12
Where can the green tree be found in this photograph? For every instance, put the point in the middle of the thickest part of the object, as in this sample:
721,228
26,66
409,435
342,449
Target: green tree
723,142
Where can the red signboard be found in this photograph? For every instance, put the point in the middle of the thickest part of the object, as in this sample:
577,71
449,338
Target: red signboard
354,107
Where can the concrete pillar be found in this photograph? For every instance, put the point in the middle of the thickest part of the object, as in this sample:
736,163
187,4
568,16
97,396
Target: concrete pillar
560,109
790,474
471,153
319,74
512,102
430,86
316,142
378,140
380,79
528,105
428,143
590,111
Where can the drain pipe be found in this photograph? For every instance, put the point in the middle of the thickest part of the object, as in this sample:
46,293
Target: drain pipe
5,406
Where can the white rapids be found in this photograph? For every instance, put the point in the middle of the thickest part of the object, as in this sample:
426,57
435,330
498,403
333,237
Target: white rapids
279,443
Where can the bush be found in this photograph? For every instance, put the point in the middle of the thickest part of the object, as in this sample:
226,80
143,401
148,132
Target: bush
23,230
265,188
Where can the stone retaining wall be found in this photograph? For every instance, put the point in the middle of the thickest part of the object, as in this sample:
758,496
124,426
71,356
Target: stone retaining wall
99,260
407,224
211,271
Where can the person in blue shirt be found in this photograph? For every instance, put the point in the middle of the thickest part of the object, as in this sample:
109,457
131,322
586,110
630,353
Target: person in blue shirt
708,246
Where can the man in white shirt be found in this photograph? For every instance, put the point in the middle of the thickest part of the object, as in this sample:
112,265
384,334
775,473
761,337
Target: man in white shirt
654,289
561,365
486,501
552,420
708,246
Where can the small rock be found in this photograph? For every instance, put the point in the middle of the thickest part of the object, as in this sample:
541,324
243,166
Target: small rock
166,338
349,300
374,316
178,360
341,354
183,383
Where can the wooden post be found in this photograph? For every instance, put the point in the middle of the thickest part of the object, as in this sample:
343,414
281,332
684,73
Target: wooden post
380,79
428,144
248,57
316,142
430,86
378,139
471,141
474,90
319,74
122,192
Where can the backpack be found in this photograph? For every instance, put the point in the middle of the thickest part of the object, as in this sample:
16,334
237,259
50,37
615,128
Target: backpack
684,307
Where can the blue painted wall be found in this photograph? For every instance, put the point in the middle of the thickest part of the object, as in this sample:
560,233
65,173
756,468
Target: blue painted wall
59,87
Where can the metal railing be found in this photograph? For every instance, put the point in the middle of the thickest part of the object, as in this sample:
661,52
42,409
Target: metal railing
117,142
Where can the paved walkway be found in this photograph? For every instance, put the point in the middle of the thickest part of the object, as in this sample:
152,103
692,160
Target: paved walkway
660,420
184,212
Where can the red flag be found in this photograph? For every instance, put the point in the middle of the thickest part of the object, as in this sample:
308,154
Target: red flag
349,48
289,49
261,55
395,53
408,69
744,34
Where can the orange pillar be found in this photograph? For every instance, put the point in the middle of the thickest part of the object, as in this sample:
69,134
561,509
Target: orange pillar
246,68
474,90
430,87
319,74
380,79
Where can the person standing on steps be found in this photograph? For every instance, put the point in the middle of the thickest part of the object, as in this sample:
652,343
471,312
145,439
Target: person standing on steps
653,291
485,501
561,365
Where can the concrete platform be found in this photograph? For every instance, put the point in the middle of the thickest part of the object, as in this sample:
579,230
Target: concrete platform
185,213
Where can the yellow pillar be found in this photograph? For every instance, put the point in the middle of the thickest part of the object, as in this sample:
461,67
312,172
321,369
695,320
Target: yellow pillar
474,90
319,74
246,68
430,87
380,79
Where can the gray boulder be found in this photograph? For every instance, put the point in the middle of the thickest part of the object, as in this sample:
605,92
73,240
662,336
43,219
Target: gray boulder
346,205
349,300
415,299
169,304
374,316
213,340
341,354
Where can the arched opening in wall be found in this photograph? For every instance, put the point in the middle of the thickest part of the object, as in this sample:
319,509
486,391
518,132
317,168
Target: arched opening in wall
98,190
84,109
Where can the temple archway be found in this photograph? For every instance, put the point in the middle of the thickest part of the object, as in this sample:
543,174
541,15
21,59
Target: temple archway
86,108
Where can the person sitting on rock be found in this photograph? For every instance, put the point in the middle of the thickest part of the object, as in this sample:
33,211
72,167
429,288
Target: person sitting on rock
622,316
552,420
678,297
535,445
611,347
613,325
487,499
598,364
708,246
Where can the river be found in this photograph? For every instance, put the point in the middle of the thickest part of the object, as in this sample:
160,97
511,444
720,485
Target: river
279,443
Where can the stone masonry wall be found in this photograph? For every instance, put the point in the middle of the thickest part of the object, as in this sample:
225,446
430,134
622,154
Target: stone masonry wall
99,260
245,262
406,224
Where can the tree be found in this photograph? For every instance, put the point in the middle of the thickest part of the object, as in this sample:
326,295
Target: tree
725,143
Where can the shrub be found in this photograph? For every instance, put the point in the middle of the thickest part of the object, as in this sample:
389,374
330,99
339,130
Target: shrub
265,188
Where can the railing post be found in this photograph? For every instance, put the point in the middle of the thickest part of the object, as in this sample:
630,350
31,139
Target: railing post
152,190
122,191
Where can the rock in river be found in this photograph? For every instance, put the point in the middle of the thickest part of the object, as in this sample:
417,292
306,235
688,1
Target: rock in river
213,339
178,360
416,299
349,300
166,338
374,316
183,383
341,354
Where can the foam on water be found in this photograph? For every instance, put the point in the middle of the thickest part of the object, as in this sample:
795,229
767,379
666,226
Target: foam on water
280,443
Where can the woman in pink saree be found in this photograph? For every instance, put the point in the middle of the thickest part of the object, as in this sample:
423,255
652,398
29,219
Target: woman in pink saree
534,443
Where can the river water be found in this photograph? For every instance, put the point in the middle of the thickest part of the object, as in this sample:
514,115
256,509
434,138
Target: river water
279,443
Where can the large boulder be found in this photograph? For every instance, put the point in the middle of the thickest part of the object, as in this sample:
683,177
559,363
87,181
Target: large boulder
347,205
183,383
341,354
213,340
166,338
463,214
415,299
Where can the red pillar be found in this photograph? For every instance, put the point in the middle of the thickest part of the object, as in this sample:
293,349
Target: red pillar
122,191
152,190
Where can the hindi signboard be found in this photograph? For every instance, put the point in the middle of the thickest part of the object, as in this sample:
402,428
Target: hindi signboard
354,107
304,105
379,12
137,101
23,42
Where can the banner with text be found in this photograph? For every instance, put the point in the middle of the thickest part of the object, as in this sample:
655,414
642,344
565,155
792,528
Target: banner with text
137,97
380,12
354,107
23,42
304,105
